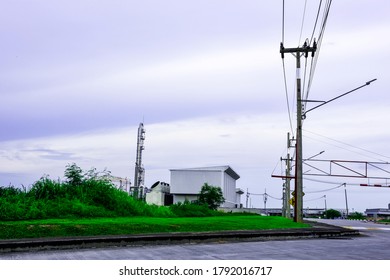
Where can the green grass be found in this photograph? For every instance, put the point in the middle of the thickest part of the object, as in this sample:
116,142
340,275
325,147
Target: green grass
138,225
88,204
384,221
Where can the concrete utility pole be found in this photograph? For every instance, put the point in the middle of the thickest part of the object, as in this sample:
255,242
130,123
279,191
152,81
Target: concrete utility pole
325,203
298,193
346,199
286,196
288,160
247,198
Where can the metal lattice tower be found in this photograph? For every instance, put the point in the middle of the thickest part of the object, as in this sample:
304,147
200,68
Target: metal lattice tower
139,174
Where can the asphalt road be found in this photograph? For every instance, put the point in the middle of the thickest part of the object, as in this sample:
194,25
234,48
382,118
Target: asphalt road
374,244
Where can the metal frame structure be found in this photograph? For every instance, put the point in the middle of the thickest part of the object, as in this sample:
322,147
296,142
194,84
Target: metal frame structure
139,174
349,169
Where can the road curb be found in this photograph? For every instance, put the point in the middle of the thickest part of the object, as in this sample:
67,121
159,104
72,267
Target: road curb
317,230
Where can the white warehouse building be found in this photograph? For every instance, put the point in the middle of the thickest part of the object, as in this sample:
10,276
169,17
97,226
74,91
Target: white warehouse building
187,183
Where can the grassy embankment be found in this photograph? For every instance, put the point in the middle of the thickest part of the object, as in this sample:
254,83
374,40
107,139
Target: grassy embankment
91,205
137,225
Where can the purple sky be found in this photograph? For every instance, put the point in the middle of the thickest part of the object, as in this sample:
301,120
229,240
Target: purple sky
77,77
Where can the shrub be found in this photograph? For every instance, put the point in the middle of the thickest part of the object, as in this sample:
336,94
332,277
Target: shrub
188,209
73,174
10,191
331,214
356,216
46,188
91,194
211,196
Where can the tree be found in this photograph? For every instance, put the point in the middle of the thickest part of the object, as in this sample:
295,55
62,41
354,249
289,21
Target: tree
356,216
331,214
211,196
74,174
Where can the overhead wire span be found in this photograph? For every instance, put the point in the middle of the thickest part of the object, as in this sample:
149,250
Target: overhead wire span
318,198
283,22
348,145
315,24
331,182
304,82
265,194
284,73
274,197
278,162
287,99
325,190
303,21
319,42
308,78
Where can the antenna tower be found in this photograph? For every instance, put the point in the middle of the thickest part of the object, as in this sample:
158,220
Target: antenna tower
139,174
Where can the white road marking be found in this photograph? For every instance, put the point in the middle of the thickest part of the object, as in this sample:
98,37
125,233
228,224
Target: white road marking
368,228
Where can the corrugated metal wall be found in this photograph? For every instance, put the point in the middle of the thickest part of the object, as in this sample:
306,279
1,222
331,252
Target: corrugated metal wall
186,183
191,181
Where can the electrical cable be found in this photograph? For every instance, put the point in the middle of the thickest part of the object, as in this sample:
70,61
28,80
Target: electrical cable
273,197
348,145
303,21
315,24
283,23
287,99
265,194
276,166
284,72
307,200
326,189
319,43
303,86
329,182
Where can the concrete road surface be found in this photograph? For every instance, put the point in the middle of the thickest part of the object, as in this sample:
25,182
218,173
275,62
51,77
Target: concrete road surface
374,244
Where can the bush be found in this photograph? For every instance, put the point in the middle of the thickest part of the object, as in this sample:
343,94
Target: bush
211,196
188,209
356,216
46,188
331,214
10,191
74,174
92,194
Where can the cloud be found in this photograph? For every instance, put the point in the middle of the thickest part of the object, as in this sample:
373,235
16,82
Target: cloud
51,154
205,76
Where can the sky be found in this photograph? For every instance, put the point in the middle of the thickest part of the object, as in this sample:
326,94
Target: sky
206,79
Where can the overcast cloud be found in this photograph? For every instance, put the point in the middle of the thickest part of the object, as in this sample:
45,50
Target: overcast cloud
205,77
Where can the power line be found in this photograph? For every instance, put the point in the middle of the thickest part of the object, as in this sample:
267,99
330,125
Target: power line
274,197
287,99
304,80
319,42
284,73
318,198
283,23
348,145
265,194
303,21
332,183
315,24
326,189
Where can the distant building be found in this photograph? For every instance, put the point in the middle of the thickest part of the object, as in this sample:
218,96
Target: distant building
378,213
187,183
159,194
